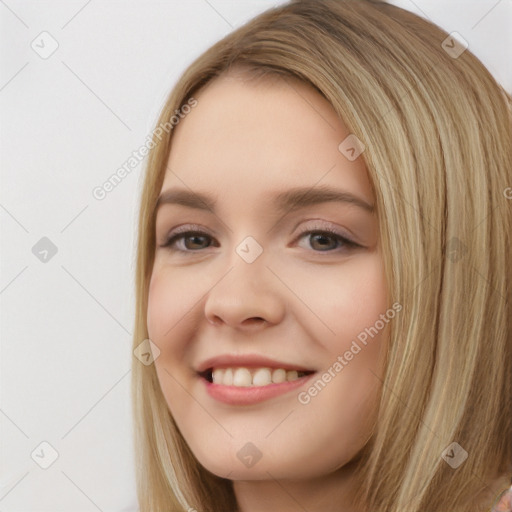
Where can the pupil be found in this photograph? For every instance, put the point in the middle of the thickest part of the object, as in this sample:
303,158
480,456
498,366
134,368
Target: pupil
194,239
321,238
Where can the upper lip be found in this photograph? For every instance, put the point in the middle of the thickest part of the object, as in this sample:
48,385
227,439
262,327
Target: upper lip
247,361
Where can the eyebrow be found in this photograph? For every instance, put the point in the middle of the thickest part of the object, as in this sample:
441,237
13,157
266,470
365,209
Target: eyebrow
287,201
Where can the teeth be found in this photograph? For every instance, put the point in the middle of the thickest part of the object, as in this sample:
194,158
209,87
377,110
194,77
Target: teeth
278,375
227,378
262,377
292,375
241,377
244,377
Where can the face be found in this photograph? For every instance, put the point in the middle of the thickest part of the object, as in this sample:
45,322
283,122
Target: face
297,282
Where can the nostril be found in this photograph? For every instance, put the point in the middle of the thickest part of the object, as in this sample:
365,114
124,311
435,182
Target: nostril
254,320
215,320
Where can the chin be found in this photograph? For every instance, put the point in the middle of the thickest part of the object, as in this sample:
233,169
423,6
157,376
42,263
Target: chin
278,467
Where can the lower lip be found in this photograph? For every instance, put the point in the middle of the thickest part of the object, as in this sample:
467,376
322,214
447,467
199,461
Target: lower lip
247,395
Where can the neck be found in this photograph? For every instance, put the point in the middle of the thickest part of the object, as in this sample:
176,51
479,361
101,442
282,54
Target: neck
334,492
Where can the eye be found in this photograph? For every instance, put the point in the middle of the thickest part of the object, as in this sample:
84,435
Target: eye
319,238
195,237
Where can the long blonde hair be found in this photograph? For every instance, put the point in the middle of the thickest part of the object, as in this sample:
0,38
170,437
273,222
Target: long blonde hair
437,129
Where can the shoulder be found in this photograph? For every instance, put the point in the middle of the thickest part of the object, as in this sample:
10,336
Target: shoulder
496,496
503,502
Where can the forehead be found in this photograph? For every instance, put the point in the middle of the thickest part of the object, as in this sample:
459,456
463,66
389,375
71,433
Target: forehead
246,137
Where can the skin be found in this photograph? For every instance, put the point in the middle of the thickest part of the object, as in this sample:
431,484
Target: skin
299,301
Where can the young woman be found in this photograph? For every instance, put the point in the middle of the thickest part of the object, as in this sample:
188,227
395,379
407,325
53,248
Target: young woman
323,272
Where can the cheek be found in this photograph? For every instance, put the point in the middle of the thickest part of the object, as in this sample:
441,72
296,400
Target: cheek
362,325
169,301
170,322
353,304
343,300
173,320
361,303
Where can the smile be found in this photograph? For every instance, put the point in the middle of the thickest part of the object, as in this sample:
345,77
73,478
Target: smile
244,377
245,386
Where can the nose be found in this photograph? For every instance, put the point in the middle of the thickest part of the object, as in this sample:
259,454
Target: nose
248,297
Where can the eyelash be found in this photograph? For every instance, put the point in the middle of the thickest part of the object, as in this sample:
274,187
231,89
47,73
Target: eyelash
187,232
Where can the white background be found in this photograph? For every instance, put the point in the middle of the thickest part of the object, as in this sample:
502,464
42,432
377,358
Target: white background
67,123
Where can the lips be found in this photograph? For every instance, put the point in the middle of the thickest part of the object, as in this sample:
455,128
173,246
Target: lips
236,379
248,361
